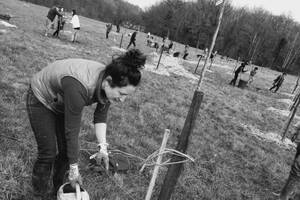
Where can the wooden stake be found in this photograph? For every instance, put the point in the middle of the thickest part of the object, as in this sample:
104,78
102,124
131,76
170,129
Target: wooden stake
296,85
195,72
175,170
237,63
121,41
295,98
203,70
161,52
290,118
211,62
158,161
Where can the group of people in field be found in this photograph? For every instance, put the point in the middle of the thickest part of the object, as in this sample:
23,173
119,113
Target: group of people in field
277,82
58,93
166,45
292,184
109,28
57,18
132,35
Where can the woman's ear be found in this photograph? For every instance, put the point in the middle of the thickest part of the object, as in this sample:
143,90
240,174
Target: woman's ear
107,82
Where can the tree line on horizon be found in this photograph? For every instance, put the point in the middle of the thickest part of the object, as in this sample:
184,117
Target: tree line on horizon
247,34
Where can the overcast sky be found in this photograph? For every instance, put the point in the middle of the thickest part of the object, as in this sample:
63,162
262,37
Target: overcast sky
277,7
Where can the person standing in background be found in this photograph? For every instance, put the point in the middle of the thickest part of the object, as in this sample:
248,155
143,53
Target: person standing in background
132,39
170,46
252,74
118,28
278,82
185,52
237,72
52,13
59,23
108,29
76,25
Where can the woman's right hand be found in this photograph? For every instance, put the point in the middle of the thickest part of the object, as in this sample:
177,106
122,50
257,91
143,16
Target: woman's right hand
102,154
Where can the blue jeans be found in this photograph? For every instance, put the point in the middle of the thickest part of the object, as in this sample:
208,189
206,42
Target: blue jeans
48,128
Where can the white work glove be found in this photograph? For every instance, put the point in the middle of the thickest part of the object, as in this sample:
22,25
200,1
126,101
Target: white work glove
102,155
74,175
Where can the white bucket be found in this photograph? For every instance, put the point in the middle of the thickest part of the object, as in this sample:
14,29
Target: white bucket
78,195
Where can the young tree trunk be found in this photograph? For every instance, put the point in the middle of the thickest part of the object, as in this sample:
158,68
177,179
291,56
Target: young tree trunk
198,40
288,57
251,46
296,85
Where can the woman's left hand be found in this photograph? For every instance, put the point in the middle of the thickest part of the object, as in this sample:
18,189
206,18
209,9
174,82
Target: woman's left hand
74,175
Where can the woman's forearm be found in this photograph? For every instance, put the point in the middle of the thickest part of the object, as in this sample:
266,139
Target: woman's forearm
100,131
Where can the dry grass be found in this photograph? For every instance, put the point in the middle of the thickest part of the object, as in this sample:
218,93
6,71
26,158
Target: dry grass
231,162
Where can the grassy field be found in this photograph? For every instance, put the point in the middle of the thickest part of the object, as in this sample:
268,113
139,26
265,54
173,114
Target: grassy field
232,160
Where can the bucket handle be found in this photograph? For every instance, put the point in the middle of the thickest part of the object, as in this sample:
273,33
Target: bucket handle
78,192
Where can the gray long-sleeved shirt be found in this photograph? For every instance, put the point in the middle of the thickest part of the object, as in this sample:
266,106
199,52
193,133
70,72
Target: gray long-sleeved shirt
75,98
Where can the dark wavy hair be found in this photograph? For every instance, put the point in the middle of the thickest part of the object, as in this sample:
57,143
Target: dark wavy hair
125,69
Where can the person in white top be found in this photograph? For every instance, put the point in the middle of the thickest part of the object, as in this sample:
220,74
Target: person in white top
75,24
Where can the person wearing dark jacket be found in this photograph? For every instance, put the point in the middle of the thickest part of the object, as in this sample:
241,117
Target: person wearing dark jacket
237,72
278,82
108,29
52,13
55,100
118,28
185,52
60,23
132,39
170,46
